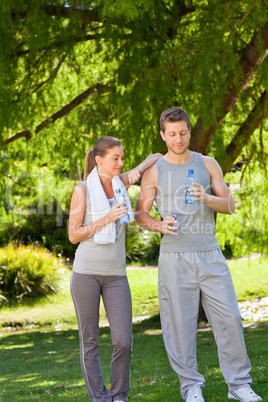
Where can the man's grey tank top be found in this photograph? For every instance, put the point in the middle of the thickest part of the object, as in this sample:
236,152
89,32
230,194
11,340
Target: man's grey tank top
196,224
100,259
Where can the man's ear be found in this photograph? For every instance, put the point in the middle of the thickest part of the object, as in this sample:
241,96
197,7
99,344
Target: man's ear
162,135
190,132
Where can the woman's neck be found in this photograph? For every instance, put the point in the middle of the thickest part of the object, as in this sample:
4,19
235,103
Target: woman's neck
106,182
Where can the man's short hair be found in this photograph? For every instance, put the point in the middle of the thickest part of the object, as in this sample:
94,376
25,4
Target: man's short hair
173,115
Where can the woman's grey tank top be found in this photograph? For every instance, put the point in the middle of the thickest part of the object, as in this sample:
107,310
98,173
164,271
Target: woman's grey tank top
100,259
196,224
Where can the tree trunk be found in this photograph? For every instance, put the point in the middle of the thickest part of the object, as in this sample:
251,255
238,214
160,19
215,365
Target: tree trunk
254,54
242,136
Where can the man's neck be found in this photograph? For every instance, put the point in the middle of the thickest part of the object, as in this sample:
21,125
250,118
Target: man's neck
178,158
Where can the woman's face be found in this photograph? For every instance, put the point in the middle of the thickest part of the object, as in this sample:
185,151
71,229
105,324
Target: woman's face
112,163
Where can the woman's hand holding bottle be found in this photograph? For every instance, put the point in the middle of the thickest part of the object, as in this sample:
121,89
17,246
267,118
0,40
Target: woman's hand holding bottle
118,211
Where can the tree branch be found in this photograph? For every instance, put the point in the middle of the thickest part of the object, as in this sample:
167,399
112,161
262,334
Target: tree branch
183,9
63,112
247,164
243,19
56,45
93,15
88,16
242,136
67,12
14,181
253,55
52,75
63,12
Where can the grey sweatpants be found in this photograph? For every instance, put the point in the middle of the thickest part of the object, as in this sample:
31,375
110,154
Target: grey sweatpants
86,291
183,277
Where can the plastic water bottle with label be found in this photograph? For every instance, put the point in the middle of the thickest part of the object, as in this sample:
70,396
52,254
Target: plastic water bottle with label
119,197
190,179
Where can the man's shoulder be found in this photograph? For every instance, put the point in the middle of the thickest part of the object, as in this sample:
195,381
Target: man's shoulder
150,175
212,165
152,170
208,160
204,158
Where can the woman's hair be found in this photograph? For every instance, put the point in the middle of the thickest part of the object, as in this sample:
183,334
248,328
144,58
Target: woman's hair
100,148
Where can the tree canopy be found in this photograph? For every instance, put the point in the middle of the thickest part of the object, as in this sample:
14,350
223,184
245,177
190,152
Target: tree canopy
72,71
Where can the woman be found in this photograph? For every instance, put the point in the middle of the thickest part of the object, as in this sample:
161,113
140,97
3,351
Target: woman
99,267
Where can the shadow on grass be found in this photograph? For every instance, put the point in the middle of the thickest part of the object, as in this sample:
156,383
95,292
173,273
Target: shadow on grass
26,301
152,323
44,365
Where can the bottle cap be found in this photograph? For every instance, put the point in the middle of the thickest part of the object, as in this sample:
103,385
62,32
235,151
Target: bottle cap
118,190
190,171
174,216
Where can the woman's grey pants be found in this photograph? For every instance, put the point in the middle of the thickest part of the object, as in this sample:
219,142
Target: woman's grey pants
86,291
182,278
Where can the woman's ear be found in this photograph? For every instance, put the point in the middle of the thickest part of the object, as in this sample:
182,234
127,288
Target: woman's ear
98,160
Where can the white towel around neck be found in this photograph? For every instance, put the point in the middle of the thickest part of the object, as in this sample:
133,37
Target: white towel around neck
100,205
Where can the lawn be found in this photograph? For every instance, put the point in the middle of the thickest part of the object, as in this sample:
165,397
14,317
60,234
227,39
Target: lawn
41,362
44,365
249,276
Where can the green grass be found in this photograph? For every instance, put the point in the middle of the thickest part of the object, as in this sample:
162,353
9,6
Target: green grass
42,366
250,277
250,280
58,309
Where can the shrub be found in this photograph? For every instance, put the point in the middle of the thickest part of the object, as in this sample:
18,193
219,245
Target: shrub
141,245
26,271
42,228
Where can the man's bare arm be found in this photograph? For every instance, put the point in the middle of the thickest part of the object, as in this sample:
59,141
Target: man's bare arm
222,200
145,202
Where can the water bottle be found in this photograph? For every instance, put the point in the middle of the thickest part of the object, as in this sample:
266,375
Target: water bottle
190,179
119,197
176,221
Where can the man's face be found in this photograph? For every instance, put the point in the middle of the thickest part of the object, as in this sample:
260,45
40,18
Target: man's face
176,136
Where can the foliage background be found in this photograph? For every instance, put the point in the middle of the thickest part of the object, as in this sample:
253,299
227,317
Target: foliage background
73,71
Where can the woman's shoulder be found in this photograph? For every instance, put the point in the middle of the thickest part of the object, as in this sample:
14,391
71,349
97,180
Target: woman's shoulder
81,188
82,185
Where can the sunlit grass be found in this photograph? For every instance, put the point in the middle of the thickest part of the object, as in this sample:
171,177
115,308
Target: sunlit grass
250,277
40,375
43,364
250,280
58,309
143,285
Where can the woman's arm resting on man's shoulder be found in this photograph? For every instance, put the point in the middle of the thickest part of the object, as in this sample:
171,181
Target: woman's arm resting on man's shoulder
133,175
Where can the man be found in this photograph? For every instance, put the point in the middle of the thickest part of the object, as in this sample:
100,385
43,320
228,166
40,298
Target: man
191,264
